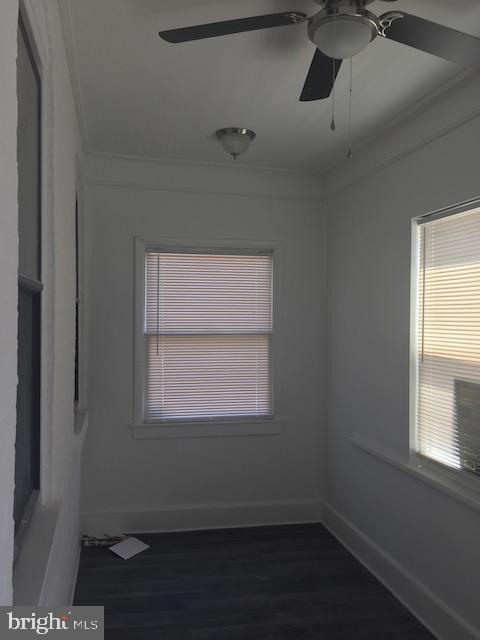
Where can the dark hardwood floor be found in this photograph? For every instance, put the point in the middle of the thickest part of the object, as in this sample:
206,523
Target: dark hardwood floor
262,583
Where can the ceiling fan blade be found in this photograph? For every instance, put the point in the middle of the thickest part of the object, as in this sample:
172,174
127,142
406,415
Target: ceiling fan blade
431,37
227,27
320,78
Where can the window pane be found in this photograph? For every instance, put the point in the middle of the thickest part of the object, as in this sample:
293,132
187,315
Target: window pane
195,293
26,444
208,327
193,376
448,393
28,149
77,312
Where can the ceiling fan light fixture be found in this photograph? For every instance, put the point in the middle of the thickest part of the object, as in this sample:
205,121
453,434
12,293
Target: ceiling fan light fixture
235,140
343,35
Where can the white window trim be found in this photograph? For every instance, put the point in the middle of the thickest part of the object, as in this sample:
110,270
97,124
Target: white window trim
456,483
42,53
250,426
81,407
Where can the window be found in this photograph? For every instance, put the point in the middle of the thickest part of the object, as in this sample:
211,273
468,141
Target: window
207,334
27,446
76,395
448,340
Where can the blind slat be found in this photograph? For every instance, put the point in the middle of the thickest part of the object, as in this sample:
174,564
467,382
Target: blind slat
208,328
448,325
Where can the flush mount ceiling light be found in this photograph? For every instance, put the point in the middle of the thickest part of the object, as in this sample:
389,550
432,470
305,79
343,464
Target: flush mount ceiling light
343,35
235,140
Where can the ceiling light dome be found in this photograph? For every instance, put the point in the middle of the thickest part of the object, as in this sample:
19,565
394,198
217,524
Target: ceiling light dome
343,35
235,140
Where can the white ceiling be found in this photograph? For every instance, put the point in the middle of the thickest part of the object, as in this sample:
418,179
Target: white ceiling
141,96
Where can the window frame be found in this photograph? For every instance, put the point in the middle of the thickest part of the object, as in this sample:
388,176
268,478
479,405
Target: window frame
34,287
76,366
194,427
81,400
458,479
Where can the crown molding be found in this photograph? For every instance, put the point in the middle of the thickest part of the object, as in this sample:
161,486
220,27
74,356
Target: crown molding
233,164
407,114
213,192
441,112
105,170
381,159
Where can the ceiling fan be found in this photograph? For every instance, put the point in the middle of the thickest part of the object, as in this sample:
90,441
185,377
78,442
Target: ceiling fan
342,29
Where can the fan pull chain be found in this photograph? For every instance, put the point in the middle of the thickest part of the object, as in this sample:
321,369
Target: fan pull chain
334,64
350,153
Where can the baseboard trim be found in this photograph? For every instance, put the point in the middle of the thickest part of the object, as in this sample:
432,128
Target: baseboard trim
425,605
195,517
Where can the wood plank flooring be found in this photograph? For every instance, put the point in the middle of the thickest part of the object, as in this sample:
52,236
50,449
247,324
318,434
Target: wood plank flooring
263,583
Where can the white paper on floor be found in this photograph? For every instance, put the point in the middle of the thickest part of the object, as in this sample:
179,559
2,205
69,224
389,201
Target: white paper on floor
129,547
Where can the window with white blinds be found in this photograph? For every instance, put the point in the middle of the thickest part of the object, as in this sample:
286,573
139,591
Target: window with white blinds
208,332
448,341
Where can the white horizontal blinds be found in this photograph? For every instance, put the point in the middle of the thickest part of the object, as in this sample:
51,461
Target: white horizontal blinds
208,376
206,293
208,327
448,383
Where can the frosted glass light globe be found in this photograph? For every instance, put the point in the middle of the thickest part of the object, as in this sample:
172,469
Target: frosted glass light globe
235,140
343,36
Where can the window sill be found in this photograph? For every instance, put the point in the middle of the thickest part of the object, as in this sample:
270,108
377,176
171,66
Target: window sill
459,489
206,429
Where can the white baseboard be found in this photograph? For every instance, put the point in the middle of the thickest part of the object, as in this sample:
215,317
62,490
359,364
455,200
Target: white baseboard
433,612
195,517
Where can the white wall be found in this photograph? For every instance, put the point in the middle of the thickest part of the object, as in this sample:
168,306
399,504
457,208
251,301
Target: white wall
421,541
8,287
45,569
199,482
